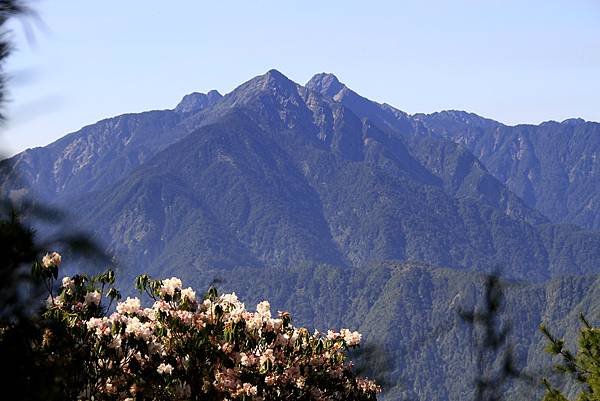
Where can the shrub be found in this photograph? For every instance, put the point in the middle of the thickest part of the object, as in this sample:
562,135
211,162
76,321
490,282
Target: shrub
182,346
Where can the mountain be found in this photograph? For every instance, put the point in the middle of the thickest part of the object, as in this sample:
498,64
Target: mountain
277,174
554,167
345,211
409,313
99,154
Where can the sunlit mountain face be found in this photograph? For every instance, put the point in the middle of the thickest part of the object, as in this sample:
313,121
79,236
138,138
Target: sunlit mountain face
347,211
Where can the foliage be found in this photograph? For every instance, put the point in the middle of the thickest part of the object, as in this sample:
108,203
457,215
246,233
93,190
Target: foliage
8,9
489,383
582,366
182,347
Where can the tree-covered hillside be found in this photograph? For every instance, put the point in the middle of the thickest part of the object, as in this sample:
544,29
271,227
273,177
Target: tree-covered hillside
410,314
553,166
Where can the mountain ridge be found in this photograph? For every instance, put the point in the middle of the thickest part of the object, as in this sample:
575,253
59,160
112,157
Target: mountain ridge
369,183
319,133
551,166
345,211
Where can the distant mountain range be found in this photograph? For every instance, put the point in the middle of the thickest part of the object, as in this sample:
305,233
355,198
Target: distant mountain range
339,207
553,166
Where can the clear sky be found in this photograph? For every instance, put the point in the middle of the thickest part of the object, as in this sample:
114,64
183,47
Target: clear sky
522,61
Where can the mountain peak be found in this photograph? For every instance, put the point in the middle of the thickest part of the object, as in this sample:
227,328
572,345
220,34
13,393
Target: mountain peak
197,101
272,79
325,83
457,117
275,80
214,95
275,74
573,121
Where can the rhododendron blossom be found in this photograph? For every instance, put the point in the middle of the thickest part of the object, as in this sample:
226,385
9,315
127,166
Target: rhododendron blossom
68,283
51,259
169,286
179,348
130,305
92,298
188,294
164,369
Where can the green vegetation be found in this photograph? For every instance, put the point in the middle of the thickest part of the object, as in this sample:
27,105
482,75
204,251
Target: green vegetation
179,348
582,368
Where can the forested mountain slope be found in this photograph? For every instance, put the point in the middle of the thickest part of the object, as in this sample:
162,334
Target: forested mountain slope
554,167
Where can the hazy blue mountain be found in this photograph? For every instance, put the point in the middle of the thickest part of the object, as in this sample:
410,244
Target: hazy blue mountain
195,102
278,174
462,173
336,208
553,166
99,154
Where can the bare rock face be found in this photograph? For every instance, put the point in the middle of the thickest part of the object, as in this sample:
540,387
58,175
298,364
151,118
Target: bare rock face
195,101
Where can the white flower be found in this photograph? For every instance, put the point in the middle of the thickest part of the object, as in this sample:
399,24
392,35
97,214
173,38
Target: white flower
230,299
161,305
68,283
51,259
100,325
264,309
164,369
351,338
130,305
188,294
138,329
169,286
145,332
332,335
92,298
133,326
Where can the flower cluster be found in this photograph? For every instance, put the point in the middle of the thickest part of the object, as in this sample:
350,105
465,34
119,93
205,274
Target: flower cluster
51,259
181,348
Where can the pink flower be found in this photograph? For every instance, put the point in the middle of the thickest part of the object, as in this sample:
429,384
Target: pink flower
165,368
130,305
92,298
51,259
249,389
169,286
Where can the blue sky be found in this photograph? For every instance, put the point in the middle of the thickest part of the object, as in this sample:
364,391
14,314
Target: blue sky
514,61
